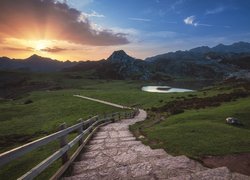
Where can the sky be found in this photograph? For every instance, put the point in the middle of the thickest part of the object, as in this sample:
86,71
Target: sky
92,29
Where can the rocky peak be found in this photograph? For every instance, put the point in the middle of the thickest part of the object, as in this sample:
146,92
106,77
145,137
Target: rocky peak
37,58
120,56
34,57
202,49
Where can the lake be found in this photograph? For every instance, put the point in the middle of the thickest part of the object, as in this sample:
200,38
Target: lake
164,89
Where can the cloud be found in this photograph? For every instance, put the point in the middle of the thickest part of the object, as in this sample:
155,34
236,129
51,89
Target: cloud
54,49
215,10
161,34
18,49
176,4
53,20
93,14
140,19
191,20
206,25
77,3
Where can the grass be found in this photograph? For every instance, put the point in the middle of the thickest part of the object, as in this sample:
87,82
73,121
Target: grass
46,113
194,132
197,133
129,93
21,123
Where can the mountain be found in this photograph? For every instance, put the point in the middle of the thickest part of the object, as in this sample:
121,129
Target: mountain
34,63
124,66
120,57
221,61
119,65
199,53
239,47
202,49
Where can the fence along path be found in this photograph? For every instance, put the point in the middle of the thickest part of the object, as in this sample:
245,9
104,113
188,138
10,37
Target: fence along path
114,153
85,130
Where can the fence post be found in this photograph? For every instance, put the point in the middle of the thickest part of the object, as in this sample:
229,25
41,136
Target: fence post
96,119
63,142
80,130
113,117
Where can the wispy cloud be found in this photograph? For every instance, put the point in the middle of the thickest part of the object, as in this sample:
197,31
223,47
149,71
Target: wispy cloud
18,49
93,14
215,10
177,3
191,20
201,24
77,3
161,34
140,19
54,49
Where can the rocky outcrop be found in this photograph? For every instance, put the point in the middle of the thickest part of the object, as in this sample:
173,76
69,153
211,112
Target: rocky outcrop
122,66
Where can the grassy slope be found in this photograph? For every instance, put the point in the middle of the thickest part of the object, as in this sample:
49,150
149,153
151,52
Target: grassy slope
43,116
129,93
49,109
195,132
46,113
202,132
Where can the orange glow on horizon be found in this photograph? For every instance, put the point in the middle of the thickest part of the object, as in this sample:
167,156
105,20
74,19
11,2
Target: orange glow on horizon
54,49
55,30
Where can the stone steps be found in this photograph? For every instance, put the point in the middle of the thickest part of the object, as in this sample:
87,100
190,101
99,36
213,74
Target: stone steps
146,171
114,153
114,156
155,168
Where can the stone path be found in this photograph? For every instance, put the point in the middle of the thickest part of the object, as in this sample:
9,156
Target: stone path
103,102
114,153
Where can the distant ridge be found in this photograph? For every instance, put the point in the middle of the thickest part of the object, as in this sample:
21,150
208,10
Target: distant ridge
219,62
238,47
34,63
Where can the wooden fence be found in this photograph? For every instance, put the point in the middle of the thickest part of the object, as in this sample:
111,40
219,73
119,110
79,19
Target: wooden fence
85,130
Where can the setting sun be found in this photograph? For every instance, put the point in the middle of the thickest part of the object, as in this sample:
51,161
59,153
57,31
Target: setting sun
41,45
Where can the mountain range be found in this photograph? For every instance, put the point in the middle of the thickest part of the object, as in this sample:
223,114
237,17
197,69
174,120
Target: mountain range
221,61
34,63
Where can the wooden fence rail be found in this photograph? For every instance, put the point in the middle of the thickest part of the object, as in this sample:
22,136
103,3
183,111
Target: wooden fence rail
85,130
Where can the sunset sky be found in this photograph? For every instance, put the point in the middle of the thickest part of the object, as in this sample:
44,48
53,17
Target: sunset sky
93,29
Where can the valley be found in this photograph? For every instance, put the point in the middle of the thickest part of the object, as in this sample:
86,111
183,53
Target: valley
34,103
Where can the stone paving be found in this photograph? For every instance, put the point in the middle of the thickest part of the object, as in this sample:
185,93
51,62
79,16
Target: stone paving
114,153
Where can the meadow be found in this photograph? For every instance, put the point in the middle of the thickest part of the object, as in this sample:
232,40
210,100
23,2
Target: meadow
194,133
